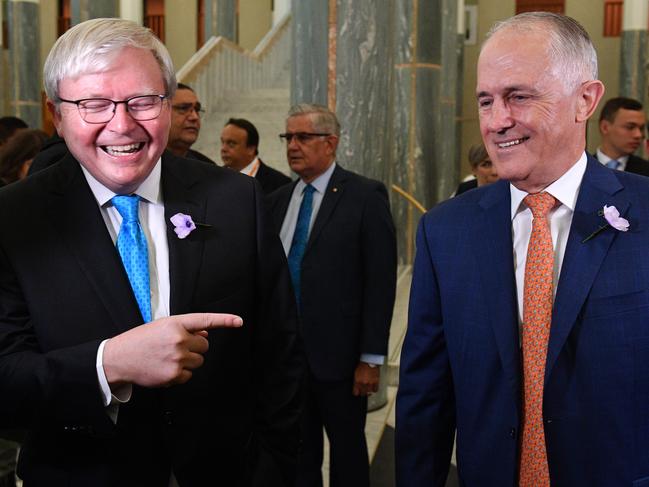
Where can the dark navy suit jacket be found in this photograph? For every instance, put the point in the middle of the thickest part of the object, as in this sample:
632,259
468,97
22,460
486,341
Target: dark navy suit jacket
460,364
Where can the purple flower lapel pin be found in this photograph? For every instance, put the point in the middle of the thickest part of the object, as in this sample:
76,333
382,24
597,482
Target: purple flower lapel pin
184,225
613,220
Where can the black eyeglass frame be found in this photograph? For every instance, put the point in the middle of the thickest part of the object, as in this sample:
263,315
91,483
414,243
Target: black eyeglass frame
187,108
301,137
115,103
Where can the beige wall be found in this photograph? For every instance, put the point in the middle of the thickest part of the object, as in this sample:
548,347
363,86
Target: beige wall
180,30
255,20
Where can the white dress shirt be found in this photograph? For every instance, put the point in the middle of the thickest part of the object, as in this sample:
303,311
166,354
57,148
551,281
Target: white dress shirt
290,220
252,168
565,190
604,159
151,216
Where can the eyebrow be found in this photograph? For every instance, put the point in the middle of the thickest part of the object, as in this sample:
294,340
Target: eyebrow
507,90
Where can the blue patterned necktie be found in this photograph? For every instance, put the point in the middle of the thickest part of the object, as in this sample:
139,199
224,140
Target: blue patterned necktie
613,164
131,244
300,239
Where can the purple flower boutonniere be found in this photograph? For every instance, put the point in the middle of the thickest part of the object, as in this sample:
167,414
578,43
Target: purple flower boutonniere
613,220
184,225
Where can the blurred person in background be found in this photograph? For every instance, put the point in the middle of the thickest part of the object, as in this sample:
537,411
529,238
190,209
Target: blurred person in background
9,126
481,167
17,153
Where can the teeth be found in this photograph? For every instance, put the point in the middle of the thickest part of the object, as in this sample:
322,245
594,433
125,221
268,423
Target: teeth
120,150
511,143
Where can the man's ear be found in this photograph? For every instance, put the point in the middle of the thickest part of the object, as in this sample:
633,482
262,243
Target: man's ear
590,93
56,115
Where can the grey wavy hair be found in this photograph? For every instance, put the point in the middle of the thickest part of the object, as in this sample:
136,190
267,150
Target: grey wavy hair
573,56
324,120
92,46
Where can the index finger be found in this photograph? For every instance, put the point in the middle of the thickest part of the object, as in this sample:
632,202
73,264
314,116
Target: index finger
194,322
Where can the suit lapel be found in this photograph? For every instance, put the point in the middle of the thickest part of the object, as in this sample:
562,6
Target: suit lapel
330,199
492,243
182,194
80,223
582,260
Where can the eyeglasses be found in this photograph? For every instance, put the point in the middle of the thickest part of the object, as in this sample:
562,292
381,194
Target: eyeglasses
102,110
186,108
300,137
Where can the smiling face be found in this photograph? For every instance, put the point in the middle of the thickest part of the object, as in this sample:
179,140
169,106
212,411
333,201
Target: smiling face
121,153
533,126
624,134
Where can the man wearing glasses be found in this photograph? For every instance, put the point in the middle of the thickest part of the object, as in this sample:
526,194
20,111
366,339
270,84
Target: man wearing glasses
120,264
337,231
186,112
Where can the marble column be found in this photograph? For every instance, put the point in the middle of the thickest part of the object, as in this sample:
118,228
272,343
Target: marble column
633,47
310,51
221,19
21,65
132,10
425,114
82,10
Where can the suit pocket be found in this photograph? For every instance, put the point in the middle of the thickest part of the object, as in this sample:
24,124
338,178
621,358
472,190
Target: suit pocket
643,482
615,305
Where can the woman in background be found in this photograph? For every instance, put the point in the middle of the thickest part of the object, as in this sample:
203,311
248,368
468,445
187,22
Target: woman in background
17,153
481,167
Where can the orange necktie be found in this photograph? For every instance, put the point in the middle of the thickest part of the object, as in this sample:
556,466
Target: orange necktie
537,316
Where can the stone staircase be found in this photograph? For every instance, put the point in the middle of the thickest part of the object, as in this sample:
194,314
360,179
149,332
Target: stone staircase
266,108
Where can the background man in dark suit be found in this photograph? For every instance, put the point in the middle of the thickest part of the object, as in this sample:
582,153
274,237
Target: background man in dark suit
185,126
542,373
239,152
114,384
622,125
337,231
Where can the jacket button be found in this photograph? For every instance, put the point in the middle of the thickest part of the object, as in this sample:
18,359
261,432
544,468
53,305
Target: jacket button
512,433
168,418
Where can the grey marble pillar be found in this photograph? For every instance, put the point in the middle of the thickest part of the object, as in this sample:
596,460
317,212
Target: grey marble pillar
310,51
363,85
82,10
226,19
633,50
425,114
22,75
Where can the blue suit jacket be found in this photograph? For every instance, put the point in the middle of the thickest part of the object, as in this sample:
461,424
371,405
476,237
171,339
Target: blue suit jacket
460,364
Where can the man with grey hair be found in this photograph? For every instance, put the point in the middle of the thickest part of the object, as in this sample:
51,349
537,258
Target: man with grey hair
542,376
338,234
120,264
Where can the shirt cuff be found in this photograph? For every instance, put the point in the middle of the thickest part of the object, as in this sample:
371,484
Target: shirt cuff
370,358
110,398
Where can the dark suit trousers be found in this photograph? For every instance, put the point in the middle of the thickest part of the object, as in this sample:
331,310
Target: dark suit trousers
332,405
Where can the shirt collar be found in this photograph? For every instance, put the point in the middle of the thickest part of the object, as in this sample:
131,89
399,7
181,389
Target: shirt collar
565,189
248,169
603,158
149,190
320,183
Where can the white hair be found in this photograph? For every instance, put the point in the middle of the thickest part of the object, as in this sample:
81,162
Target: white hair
573,56
92,46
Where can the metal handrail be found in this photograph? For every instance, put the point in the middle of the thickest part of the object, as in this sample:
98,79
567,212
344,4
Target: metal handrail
411,199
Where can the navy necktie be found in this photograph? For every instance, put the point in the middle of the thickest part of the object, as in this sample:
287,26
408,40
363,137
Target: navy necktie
131,244
300,239
613,164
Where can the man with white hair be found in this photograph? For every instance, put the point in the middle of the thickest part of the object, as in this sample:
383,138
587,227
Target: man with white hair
118,268
541,375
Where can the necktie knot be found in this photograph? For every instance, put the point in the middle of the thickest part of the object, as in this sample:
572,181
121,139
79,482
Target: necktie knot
540,203
127,206
308,190
613,164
